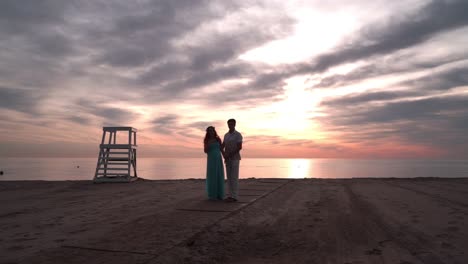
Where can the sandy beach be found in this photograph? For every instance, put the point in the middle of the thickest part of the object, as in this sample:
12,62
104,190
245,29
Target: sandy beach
422,220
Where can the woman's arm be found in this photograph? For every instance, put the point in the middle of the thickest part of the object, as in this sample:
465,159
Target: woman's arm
221,147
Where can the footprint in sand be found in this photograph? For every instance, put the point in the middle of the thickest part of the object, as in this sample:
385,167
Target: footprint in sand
77,231
374,251
447,245
452,228
442,235
16,248
453,212
24,239
48,225
382,243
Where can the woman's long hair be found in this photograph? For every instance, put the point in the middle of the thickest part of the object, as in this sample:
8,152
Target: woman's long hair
215,135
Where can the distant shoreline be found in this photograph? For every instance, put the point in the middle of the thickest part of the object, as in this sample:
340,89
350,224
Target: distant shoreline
244,179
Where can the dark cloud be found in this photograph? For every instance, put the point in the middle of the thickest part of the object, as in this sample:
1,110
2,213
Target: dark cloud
35,73
144,32
79,120
414,110
435,121
173,47
34,27
171,124
128,57
110,116
364,72
186,89
257,91
243,96
212,61
379,40
54,44
357,100
436,17
194,81
165,124
201,126
22,100
21,17
165,120
444,80
114,116
387,66
35,43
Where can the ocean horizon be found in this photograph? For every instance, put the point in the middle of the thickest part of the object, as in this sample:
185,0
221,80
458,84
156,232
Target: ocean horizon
57,169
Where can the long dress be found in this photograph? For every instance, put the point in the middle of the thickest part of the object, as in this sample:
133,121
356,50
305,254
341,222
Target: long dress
214,172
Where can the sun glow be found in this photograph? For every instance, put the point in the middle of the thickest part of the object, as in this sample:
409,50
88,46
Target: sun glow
313,34
291,117
297,108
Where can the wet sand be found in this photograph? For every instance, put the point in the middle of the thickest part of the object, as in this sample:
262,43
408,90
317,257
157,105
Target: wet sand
403,221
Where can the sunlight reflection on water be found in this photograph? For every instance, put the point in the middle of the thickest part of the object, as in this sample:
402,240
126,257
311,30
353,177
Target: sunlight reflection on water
299,168
173,168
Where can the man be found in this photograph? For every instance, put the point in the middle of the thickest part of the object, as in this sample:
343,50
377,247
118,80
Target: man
232,144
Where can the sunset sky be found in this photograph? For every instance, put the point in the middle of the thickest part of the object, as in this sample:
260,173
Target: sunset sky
303,79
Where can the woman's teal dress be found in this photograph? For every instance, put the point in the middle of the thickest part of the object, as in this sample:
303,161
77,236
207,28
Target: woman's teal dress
214,172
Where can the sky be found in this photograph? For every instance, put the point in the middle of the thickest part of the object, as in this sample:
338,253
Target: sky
304,79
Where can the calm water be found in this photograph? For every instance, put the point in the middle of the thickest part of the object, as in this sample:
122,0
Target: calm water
167,168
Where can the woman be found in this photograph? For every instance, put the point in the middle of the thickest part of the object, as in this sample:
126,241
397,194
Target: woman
214,165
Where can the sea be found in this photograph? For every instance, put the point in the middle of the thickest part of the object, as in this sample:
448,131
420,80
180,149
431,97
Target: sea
60,169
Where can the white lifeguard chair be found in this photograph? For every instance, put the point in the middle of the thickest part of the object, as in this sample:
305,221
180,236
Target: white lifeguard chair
117,162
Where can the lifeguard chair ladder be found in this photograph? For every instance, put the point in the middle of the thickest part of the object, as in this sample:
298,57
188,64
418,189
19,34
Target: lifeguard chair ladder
117,162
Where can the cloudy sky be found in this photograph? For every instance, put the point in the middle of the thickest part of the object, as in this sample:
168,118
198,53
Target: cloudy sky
309,79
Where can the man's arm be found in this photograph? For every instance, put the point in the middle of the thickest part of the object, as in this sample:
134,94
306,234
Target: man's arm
239,146
239,143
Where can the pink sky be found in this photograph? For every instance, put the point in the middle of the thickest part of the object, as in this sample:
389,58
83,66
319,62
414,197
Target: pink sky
303,79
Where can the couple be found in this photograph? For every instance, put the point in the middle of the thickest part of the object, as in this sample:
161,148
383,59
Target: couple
229,149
